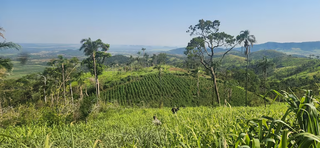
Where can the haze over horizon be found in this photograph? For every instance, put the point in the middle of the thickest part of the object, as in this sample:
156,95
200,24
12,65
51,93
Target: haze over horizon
156,23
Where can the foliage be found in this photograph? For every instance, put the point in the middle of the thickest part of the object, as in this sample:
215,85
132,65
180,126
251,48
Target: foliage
177,90
204,46
132,127
86,107
298,127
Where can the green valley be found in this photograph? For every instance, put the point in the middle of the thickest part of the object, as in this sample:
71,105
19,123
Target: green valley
111,74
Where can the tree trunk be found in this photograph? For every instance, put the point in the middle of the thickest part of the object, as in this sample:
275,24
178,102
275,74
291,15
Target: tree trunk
71,93
95,74
86,91
45,97
161,102
198,92
52,99
214,80
58,97
44,89
247,78
143,59
81,93
230,94
1,108
98,84
64,85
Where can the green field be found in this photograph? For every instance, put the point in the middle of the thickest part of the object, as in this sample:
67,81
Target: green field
133,127
19,70
174,90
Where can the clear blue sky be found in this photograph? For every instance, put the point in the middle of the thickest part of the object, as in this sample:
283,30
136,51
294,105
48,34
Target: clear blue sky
156,22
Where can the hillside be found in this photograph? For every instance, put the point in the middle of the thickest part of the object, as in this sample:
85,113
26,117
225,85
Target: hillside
303,48
180,51
258,55
117,59
291,46
174,90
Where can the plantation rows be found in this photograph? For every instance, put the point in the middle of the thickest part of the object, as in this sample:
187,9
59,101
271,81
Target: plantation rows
174,91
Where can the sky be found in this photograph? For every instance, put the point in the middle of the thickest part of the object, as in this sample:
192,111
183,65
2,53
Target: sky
156,22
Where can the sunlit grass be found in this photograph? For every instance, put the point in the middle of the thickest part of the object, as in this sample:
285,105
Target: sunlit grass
132,127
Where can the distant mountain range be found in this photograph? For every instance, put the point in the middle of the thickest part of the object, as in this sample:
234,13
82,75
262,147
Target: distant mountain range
303,48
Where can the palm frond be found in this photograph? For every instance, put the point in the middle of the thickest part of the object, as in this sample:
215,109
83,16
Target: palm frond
1,29
9,45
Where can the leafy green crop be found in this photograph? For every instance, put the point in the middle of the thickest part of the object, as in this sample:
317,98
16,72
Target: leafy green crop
175,91
132,127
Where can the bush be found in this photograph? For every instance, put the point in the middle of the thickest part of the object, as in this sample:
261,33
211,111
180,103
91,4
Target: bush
86,107
51,118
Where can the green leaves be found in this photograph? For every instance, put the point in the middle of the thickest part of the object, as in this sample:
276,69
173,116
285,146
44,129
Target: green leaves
204,27
9,45
302,132
88,46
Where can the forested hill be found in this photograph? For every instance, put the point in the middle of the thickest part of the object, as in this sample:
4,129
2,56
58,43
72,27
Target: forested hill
180,51
302,48
258,55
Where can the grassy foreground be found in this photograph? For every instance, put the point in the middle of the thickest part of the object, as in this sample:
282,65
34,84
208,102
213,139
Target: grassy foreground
132,127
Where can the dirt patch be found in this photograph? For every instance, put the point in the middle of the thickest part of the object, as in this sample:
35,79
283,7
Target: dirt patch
177,69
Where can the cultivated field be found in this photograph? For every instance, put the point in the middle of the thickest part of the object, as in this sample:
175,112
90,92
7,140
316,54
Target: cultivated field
133,127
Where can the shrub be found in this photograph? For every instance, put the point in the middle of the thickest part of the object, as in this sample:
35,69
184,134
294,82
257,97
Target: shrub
86,107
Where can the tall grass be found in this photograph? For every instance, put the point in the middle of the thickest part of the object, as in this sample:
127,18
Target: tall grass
132,127
298,127
291,124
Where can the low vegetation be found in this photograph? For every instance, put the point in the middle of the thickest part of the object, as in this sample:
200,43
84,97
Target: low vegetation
111,126
161,100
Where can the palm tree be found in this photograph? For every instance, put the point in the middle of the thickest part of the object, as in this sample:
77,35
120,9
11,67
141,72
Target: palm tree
1,29
5,64
61,62
90,48
7,45
247,40
143,49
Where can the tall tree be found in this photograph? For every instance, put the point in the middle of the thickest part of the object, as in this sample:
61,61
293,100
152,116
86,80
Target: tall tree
139,60
44,88
247,40
146,59
60,62
203,46
143,49
161,58
63,69
91,49
144,56
153,60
